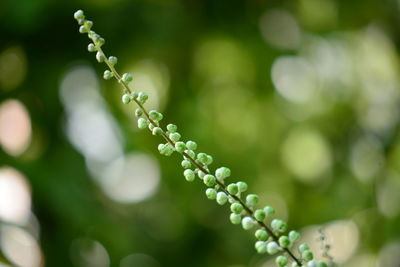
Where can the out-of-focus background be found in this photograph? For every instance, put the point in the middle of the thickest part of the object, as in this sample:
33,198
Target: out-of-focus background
299,98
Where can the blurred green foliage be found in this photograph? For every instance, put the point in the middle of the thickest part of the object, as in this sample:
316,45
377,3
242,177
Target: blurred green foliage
299,98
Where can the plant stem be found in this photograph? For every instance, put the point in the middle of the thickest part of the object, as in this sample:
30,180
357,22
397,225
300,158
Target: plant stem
195,163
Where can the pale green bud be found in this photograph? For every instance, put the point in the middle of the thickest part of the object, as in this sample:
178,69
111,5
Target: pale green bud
248,223
180,147
272,248
279,225
233,189
107,74
126,98
172,128
186,164
294,236
92,48
138,112
252,199
142,97
303,247
259,215
261,247
143,123
157,131
189,175
307,255
242,186
79,14
235,218
261,234
112,60
222,173
127,77
211,193
281,261
222,198
284,241
269,210
191,145
209,180
100,56
174,136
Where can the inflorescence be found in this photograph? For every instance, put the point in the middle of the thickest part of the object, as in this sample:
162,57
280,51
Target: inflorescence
272,238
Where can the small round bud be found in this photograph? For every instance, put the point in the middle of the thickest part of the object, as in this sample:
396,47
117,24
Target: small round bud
211,193
272,248
321,264
222,198
88,24
294,236
100,56
151,126
284,241
236,208
126,99
247,223
235,218
259,215
143,123
180,146
279,225
233,189
201,174
202,157
242,186
127,77
157,131
138,112
261,235
191,145
209,180
190,153
112,60
222,173
189,175
186,164
83,29
91,47
107,75
172,128
303,247
269,210
281,261
209,160
261,247
79,15
175,137
142,97
307,255
252,199
155,115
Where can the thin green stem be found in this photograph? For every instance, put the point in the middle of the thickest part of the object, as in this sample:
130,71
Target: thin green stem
248,210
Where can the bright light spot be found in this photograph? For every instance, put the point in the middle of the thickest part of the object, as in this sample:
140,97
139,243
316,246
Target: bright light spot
12,67
223,60
90,127
389,255
342,236
89,253
131,179
294,79
15,197
20,247
388,196
366,158
15,127
152,77
307,154
139,259
279,28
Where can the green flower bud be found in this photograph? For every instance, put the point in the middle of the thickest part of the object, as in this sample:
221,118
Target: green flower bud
142,123
100,56
222,198
190,153
307,255
127,77
222,173
284,241
189,175
321,264
186,164
279,225
281,261
261,235
172,128
83,29
202,157
191,145
211,193
126,98
91,48
107,75
209,160
209,180
174,137
138,112
201,174
248,223
303,247
259,215
252,199
269,210
88,24
242,186
233,189
142,97
272,248
112,60
294,236
236,208
155,115
151,126
235,218
180,146
261,247
157,131
79,15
